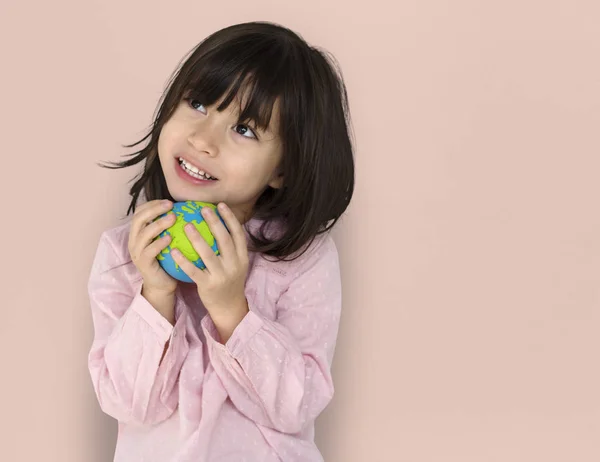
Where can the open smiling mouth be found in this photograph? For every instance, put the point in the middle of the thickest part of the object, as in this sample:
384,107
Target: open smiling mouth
194,172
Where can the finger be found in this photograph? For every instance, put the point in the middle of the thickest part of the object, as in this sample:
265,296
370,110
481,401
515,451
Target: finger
160,244
147,255
138,243
207,254
147,213
187,266
149,233
236,231
146,205
217,228
143,209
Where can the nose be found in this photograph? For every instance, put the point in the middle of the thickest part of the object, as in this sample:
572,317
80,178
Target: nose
205,139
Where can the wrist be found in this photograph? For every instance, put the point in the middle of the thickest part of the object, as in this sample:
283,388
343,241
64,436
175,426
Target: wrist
162,301
157,292
226,321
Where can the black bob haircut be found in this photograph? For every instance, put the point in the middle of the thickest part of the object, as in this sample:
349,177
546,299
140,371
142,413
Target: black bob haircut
315,129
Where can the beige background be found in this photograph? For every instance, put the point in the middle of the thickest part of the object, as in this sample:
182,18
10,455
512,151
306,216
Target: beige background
470,255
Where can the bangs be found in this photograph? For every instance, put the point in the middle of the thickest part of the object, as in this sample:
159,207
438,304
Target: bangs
262,67
253,77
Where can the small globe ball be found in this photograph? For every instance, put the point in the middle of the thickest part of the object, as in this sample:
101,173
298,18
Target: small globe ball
186,212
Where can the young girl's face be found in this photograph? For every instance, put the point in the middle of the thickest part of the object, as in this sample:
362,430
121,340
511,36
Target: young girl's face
244,160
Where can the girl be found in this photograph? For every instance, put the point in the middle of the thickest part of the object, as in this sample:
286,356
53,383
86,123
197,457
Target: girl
235,367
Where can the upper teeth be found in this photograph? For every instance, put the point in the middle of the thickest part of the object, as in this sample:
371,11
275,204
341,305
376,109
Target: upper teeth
194,169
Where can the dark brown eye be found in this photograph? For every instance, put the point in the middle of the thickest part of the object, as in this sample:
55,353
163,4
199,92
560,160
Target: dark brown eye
196,104
244,130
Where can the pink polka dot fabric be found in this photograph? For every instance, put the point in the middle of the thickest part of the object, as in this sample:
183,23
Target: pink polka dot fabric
253,399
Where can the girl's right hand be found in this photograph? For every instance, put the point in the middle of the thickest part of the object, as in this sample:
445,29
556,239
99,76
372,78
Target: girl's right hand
144,249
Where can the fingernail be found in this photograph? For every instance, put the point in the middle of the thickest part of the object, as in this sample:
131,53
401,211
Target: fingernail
166,204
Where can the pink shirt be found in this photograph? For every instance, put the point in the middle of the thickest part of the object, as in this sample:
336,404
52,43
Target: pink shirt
254,398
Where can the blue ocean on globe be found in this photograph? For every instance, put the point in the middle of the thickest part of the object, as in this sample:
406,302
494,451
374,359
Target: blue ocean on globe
186,212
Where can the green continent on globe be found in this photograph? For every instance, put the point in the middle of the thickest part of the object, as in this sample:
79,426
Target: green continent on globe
179,239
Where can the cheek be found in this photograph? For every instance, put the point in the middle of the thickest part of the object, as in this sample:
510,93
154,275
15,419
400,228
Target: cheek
163,138
167,142
262,171
171,131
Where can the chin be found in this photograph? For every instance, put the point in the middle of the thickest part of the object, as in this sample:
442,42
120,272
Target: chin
178,198
181,196
178,195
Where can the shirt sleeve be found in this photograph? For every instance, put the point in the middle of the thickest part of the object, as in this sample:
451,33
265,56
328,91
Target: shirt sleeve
277,373
131,382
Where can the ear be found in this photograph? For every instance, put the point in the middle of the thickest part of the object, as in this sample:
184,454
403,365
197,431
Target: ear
277,181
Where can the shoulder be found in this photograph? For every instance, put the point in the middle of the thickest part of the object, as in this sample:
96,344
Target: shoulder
117,239
321,251
113,252
320,254
309,278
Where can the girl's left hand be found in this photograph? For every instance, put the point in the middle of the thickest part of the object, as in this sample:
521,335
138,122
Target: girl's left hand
221,284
